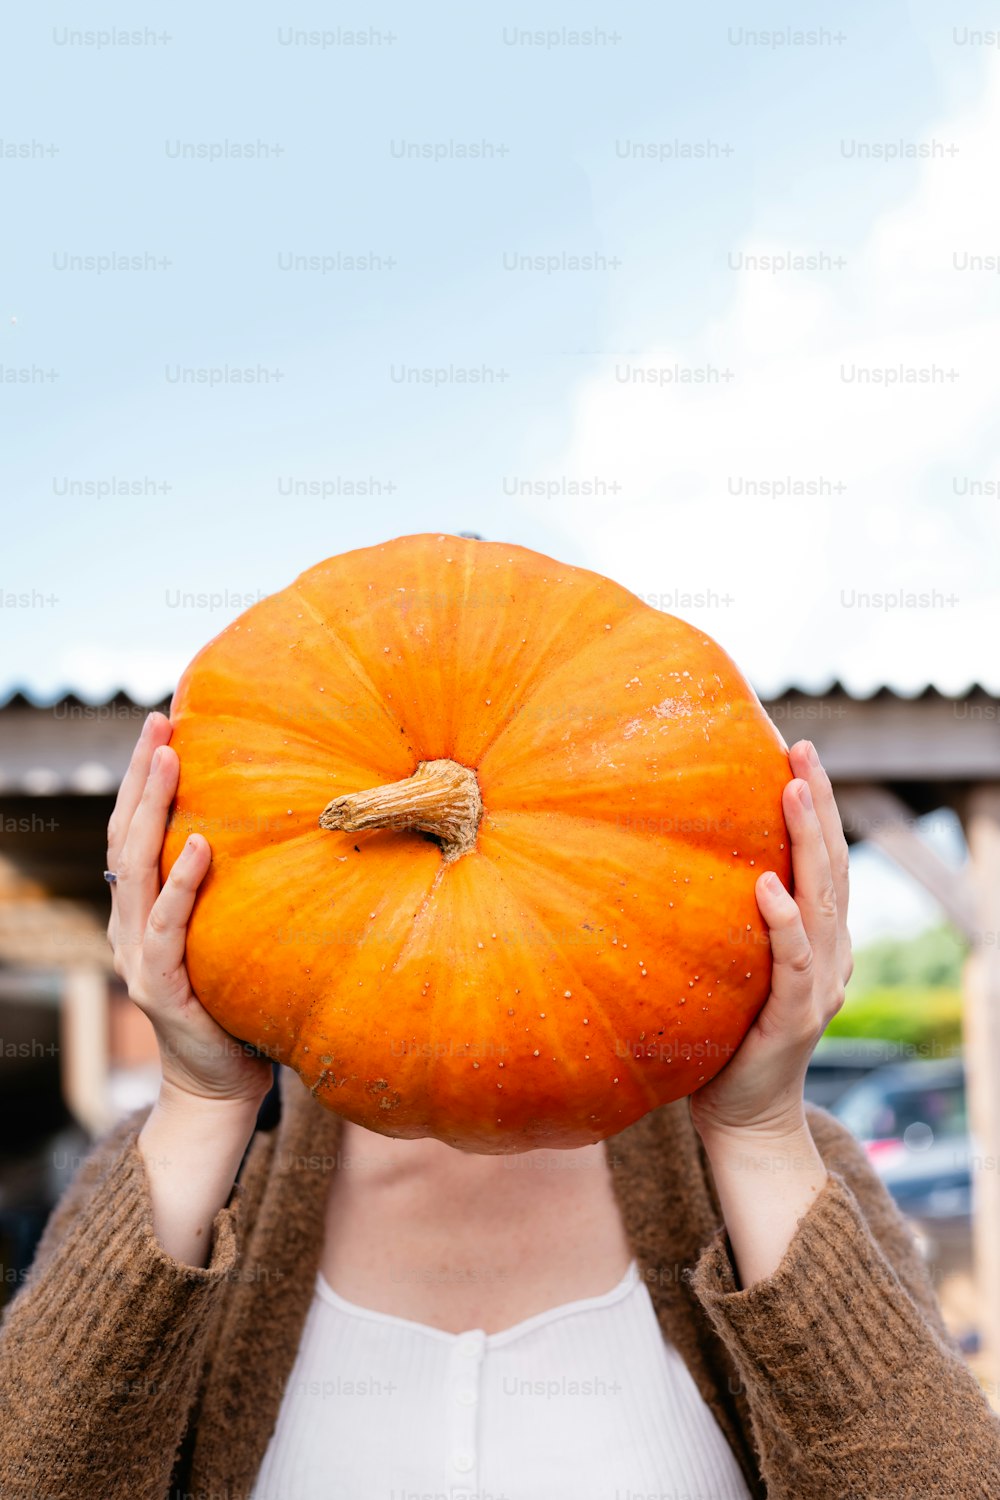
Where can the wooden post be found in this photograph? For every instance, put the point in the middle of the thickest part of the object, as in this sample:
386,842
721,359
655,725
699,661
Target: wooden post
981,983
85,1036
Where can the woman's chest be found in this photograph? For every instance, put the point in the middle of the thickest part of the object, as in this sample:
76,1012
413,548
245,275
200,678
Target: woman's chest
585,1399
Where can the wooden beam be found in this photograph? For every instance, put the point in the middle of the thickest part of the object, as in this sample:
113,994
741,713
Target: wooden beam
873,813
886,738
73,748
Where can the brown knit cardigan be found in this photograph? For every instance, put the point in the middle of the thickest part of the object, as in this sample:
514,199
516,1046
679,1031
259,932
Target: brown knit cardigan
124,1373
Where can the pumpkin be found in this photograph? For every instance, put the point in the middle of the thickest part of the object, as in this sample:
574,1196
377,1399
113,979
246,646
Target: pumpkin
485,833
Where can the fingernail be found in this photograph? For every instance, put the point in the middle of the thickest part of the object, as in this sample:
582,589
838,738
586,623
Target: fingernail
770,882
149,720
157,757
805,795
811,755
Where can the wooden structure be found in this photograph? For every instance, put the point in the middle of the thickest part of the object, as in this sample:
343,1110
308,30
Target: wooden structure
892,760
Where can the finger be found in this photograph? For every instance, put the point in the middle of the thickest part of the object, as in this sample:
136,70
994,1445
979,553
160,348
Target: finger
156,731
139,862
793,962
166,927
806,764
814,888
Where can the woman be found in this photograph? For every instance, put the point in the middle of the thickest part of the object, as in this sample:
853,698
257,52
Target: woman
722,1301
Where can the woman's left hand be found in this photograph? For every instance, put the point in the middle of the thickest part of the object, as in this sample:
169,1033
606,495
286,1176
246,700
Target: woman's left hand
759,1092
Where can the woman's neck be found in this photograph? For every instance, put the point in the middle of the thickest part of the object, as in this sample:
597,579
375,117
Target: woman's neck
388,1158
426,1232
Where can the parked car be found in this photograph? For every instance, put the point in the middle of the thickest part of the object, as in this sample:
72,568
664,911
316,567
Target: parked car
911,1119
839,1062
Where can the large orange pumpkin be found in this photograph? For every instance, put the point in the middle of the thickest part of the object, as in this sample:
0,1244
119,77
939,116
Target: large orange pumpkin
485,832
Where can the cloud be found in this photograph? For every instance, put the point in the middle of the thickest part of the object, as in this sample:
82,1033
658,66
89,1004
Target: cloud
892,463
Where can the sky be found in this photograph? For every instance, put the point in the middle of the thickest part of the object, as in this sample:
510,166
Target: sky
689,298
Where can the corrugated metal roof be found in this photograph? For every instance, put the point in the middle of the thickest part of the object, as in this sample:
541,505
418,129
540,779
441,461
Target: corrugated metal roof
24,697
72,745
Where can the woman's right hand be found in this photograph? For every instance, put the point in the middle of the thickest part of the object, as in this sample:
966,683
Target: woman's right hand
148,929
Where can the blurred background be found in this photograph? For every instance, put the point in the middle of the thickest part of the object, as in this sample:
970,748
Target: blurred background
707,302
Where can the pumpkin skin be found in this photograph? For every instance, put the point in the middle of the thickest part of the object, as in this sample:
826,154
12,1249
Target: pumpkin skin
597,952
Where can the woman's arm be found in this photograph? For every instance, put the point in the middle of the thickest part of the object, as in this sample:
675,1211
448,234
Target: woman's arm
191,1150
751,1116
854,1386
212,1085
765,1185
102,1349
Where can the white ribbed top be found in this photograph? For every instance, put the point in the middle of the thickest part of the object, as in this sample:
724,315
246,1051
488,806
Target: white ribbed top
583,1402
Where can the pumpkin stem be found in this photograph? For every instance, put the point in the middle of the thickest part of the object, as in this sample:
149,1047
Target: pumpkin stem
440,798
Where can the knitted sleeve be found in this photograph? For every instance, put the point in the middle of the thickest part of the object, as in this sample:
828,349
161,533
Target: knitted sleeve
102,1348
854,1386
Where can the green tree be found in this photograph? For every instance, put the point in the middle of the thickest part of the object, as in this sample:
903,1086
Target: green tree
908,991
930,959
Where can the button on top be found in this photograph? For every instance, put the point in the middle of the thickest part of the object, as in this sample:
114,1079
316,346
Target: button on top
470,1344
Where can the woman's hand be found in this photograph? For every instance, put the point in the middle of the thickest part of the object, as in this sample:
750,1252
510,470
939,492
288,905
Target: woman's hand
148,928
759,1091
751,1116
